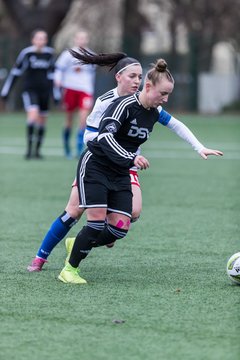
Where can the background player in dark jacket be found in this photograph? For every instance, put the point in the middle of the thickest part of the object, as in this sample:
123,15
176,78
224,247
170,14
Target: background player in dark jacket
36,64
103,170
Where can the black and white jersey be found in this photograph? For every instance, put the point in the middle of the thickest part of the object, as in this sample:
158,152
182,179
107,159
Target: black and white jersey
100,106
124,126
37,68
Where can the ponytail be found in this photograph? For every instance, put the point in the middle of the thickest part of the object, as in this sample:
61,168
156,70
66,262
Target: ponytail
86,57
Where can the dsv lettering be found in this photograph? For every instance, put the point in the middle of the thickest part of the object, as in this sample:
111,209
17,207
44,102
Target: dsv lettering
141,133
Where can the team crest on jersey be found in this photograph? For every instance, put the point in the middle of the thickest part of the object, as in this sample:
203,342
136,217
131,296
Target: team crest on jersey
111,127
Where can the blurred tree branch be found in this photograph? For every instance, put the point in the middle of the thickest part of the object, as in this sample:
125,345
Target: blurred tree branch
27,16
133,24
207,22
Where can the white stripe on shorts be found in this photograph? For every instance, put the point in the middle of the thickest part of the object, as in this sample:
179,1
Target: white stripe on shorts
119,212
81,174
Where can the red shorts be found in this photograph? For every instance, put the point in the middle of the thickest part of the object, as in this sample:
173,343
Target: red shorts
133,176
74,99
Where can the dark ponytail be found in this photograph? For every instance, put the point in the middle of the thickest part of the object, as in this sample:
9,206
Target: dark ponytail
86,57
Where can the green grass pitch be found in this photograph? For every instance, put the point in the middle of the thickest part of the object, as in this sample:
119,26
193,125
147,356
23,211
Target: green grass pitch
166,280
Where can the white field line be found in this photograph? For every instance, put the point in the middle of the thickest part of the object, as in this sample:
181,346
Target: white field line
170,152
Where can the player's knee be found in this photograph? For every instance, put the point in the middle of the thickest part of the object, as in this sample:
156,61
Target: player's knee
136,211
117,232
134,219
123,224
74,211
68,220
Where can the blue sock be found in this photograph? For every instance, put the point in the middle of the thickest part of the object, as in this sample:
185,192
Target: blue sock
66,141
58,230
80,142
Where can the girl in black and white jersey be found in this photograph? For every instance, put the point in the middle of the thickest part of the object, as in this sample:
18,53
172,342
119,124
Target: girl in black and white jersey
36,64
103,170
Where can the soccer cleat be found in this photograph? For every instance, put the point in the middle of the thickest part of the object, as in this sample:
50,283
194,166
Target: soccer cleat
36,264
38,156
28,156
69,245
110,245
70,275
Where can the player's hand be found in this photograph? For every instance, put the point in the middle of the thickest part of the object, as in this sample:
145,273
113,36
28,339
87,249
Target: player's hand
141,162
206,152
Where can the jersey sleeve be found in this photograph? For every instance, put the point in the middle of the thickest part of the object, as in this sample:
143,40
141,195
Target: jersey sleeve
16,71
61,65
185,133
110,124
94,117
180,129
164,116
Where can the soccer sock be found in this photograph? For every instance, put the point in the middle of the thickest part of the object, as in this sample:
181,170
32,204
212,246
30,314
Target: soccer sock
84,241
80,141
110,234
40,137
66,140
29,134
58,230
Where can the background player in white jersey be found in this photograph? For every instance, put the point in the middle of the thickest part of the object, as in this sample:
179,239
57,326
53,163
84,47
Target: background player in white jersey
128,76
103,169
36,64
78,84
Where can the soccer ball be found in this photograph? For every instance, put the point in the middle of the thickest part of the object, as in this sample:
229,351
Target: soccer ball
233,268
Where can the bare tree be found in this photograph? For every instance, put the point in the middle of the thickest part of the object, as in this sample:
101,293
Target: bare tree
133,24
28,15
207,23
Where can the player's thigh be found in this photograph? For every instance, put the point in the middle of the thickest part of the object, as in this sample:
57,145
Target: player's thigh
85,101
72,207
92,183
136,201
70,100
44,98
31,105
137,194
96,214
120,208
119,220
93,195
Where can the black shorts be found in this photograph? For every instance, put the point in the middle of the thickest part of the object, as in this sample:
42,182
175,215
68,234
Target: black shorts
99,187
36,98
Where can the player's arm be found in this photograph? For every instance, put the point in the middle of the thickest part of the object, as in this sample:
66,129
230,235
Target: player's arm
110,124
60,68
16,71
56,90
186,134
111,148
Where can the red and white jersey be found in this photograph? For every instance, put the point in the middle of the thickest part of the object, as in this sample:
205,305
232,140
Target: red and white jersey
73,75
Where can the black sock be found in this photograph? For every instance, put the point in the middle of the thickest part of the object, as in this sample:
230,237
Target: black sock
66,140
40,137
84,242
29,134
